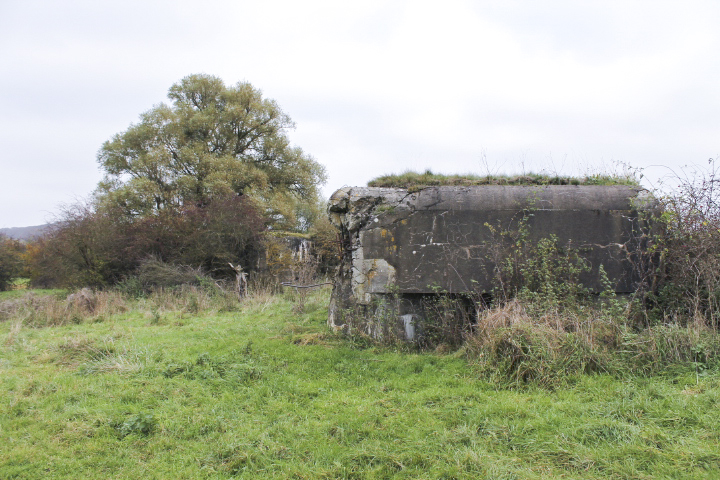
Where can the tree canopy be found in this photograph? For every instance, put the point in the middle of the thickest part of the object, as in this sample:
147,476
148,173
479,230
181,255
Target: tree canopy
211,141
195,183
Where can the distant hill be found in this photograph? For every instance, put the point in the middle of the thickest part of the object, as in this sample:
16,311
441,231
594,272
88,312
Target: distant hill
24,233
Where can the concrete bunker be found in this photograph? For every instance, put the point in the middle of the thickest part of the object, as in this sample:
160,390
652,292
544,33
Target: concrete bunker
411,244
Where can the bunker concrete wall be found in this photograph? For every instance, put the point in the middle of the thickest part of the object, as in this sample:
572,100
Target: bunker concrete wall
441,238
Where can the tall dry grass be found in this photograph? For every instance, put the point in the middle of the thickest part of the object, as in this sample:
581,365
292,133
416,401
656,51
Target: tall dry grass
191,299
514,346
48,310
40,311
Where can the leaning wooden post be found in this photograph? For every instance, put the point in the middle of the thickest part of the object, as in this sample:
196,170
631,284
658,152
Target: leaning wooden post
240,280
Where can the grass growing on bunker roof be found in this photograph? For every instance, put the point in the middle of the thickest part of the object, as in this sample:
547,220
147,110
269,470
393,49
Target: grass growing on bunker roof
415,180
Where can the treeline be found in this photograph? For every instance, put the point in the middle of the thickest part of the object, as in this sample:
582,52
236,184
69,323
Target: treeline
92,247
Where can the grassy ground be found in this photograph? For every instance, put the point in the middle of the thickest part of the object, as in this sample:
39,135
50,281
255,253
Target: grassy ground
20,288
265,392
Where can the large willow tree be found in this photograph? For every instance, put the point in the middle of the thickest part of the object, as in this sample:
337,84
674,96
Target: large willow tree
210,142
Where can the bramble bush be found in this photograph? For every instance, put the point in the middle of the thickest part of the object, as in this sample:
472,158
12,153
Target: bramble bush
686,275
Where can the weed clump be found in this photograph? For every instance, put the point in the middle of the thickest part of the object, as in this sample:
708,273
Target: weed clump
141,424
240,370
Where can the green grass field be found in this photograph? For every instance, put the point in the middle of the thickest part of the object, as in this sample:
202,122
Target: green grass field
265,392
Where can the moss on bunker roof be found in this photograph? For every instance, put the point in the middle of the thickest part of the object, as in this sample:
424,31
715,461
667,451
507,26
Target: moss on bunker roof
415,180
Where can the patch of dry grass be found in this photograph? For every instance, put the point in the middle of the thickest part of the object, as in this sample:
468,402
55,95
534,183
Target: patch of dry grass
513,344
36,311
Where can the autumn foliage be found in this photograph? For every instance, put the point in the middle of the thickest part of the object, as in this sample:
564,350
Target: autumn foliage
97,247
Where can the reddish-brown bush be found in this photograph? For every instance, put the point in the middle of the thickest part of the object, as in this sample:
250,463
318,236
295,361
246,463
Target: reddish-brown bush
92,246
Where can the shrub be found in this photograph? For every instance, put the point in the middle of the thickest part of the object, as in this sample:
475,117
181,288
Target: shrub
545,273
685,277
95,246
325,245
11,260
87,247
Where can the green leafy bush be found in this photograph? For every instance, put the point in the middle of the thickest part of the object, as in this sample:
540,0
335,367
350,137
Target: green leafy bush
11,261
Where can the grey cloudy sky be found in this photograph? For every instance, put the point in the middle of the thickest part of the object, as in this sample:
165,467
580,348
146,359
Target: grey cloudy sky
375,86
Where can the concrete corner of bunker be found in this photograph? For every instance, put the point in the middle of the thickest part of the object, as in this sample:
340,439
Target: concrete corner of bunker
339,201
645,201
338,206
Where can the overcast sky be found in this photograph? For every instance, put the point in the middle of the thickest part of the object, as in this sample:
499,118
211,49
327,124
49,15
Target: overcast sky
374,87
